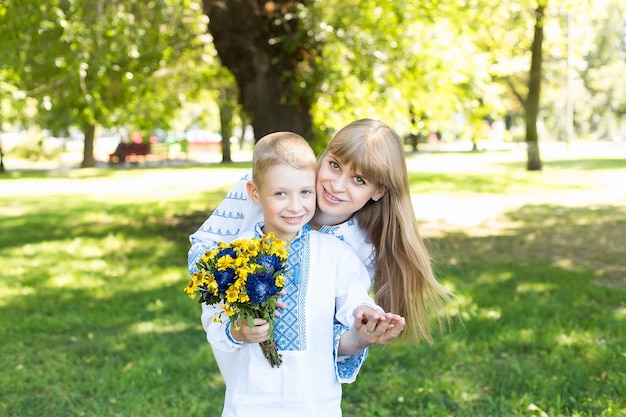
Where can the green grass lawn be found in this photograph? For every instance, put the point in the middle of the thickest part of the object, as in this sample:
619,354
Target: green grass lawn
94,321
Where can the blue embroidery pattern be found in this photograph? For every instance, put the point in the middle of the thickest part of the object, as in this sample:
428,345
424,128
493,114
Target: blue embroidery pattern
195,252
332,230
346,369
290,331
236,196
230,337
228,215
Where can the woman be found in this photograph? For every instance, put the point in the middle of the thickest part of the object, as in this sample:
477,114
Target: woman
363,198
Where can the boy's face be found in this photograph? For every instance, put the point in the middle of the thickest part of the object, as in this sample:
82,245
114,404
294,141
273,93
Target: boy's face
287,195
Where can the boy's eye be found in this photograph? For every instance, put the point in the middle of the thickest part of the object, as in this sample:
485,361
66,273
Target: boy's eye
307,192
334,165
359,180
279,193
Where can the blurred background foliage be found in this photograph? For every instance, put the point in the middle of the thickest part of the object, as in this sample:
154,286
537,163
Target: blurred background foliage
454,67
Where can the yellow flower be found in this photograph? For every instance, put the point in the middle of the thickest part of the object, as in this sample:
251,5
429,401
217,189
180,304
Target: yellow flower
232,294
242,274
229,310
199,277
280,281
209,255
225,262
241,261
213,287
190,289
279,249
240,283
252,249
238,244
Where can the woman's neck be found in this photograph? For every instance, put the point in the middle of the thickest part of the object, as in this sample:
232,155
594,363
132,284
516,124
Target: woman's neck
320,219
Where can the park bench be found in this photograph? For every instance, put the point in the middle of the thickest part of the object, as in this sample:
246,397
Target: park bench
139,152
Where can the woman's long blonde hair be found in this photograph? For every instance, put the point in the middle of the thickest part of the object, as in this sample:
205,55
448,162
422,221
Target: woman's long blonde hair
404,281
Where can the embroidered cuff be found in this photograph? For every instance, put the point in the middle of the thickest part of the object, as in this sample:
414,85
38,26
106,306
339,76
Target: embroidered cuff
230,336
346,367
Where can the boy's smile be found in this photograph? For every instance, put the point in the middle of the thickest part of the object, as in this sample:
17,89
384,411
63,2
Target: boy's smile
288,198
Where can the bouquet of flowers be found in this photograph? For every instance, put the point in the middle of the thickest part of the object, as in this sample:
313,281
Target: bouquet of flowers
244,277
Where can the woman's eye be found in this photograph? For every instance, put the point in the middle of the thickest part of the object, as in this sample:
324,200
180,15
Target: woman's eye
334,165
359,180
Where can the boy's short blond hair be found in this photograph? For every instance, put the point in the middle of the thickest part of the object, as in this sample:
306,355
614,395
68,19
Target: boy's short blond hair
281,148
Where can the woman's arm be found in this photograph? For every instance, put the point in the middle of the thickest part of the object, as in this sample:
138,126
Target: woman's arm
234,214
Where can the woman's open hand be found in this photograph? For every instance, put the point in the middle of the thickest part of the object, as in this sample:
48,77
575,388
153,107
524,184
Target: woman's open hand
376,327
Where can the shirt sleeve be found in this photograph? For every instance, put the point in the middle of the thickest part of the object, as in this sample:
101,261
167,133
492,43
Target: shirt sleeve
235,213
218,333
352,287
352,290
350,232
346,367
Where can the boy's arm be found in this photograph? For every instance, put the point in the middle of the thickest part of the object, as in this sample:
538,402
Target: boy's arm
218,333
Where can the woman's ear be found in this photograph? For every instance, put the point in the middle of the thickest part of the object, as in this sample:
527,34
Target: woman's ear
379,193
253,192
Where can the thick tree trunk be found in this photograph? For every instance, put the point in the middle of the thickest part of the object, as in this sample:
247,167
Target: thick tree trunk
258,41
89,131
534,90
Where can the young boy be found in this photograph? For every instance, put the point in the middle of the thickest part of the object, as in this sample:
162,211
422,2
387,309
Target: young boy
326,282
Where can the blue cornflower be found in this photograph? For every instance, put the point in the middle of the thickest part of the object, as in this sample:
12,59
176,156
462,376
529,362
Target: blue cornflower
224,279
271,263
260,287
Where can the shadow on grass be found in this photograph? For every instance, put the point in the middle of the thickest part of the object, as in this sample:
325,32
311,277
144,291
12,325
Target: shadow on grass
78,354
543,325
62,218
103,326
105,329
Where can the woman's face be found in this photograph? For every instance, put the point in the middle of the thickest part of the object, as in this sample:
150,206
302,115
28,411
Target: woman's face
341,191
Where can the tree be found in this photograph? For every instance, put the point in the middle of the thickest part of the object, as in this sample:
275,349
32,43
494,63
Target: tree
265,46
603,69
91,63
339,60
227,102
533,162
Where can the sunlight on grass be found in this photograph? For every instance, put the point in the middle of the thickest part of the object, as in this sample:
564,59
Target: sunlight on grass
94,266
574,339
519,336
7,293
534,287
159,328
526,335
490,277
75,281
489,314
